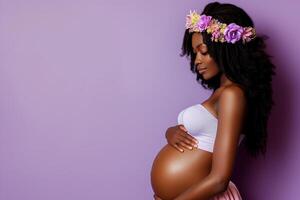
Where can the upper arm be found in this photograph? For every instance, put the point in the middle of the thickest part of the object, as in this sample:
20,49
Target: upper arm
231,113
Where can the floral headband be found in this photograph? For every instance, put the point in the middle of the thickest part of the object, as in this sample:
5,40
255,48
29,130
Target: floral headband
221,32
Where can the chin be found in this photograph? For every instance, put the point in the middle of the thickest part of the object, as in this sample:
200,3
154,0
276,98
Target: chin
206,76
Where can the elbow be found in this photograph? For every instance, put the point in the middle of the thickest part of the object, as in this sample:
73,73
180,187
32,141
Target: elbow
221,184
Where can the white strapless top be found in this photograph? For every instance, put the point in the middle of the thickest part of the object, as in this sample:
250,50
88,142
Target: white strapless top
202,125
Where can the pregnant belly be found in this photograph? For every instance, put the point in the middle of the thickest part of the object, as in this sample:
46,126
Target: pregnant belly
173,172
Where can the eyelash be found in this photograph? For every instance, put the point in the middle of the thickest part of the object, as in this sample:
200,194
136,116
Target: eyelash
200,52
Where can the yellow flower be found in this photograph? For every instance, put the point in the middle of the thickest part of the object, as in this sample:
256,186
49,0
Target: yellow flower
194,18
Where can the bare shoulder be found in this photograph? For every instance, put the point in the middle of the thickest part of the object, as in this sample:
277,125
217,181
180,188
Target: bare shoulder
233,91
232,95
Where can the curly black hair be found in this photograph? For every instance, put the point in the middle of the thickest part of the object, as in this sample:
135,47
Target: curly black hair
245,64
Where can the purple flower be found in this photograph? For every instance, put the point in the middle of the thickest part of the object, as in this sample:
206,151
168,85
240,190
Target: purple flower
233,33
204,22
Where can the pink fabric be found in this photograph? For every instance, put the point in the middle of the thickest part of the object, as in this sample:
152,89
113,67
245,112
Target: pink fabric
232,193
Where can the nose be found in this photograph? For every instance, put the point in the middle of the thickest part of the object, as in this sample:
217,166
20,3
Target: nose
198,59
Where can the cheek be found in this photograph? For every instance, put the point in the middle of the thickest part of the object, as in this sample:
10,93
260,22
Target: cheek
213,68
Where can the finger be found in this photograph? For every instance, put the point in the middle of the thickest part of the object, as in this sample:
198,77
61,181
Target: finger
187,146
182,138
182,128
188,139
191,140
187,134
190,143
178,148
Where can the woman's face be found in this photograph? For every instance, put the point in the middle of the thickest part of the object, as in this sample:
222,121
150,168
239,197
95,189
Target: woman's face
205,65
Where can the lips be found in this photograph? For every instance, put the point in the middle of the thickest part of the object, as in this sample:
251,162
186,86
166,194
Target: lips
201,70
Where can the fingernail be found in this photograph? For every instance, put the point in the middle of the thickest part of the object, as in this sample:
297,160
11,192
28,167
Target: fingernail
191,148
195,145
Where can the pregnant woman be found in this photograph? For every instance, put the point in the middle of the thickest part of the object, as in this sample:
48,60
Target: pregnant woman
230,59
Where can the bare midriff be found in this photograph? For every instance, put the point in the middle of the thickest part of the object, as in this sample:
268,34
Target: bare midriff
173,172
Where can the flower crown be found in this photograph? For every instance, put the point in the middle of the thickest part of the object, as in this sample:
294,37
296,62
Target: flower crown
220,32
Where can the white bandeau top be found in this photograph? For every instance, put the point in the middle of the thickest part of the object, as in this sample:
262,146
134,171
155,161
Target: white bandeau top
202,125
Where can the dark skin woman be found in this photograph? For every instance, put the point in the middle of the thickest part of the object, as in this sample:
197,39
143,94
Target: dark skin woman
240,76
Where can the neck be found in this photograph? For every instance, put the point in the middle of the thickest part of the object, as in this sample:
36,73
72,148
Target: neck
224,81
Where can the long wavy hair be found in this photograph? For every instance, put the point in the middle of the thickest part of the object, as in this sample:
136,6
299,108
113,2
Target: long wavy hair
245,64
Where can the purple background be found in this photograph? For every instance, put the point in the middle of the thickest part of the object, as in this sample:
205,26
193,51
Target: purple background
88,88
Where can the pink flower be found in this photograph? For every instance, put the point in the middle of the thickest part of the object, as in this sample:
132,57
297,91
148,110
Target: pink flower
248,34
215,35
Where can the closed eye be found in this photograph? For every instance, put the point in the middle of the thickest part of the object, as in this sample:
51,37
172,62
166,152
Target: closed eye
198,49
205,53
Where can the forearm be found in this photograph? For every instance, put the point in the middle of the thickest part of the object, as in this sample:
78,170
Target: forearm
203,190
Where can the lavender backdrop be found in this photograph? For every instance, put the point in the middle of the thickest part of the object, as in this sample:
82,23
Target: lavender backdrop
88,88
